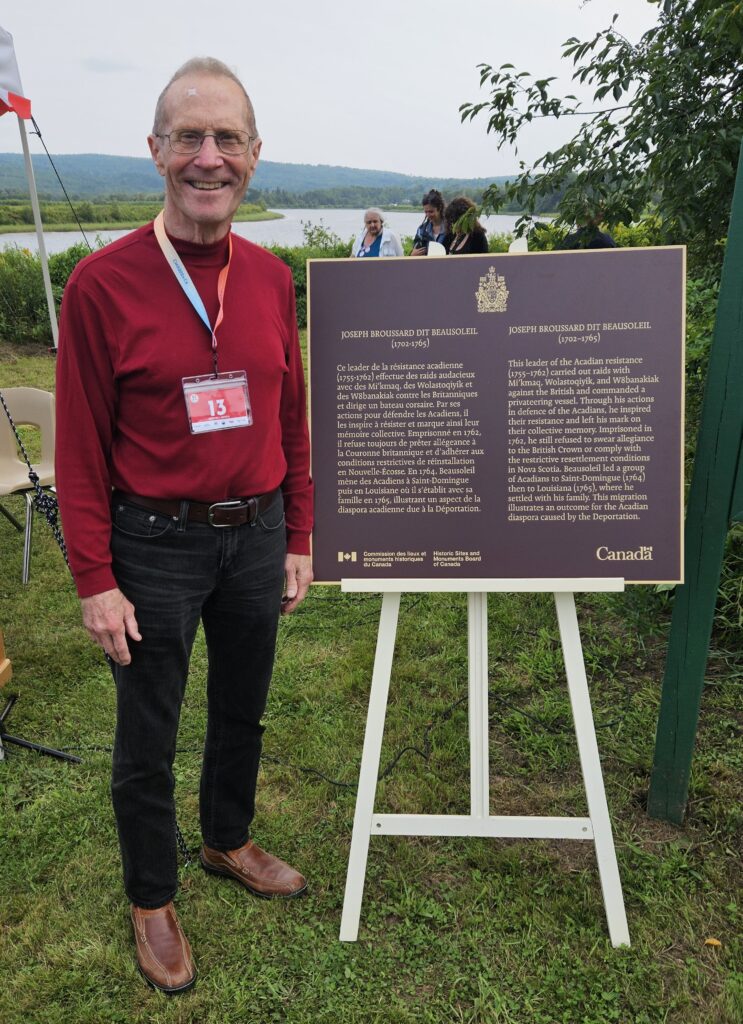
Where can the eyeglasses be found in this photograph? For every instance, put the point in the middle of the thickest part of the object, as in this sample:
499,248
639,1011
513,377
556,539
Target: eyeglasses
190,141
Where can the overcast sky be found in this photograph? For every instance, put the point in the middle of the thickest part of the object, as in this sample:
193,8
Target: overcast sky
374,85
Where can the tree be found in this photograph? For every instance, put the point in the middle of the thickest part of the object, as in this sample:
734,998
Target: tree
669,144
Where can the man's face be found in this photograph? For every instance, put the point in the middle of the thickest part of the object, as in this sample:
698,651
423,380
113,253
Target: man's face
373,224
203,190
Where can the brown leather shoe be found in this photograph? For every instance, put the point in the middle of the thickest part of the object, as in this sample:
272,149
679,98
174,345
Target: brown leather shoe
163,952
258,871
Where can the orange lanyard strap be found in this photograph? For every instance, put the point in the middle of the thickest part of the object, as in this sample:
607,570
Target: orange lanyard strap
183,278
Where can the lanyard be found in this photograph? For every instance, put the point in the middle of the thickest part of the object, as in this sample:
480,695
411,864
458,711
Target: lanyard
183,278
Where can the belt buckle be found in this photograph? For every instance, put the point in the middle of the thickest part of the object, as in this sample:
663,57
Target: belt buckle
234,504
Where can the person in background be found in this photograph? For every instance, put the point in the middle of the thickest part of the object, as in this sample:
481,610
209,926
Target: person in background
588,236
469,237
433,228
376,239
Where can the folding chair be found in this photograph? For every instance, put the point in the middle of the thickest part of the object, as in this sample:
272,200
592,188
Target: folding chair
33,407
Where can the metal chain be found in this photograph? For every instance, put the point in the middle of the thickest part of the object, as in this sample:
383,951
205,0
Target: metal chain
185,852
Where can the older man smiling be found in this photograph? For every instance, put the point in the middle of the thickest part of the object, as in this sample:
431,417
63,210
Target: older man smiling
183,477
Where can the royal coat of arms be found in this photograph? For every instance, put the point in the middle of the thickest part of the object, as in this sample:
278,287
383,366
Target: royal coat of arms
492,295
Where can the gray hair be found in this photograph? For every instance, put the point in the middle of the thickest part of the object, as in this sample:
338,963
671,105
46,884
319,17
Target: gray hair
375,210
202,66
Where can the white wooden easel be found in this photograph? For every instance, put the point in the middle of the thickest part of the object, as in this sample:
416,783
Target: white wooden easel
479,822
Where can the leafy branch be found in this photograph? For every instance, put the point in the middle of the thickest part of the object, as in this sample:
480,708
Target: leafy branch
669,141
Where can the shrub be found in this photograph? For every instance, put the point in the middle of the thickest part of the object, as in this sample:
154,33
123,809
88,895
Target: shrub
729,611
701,307
547,235
499,242
24,316
645,232
319,244
61,265
23,310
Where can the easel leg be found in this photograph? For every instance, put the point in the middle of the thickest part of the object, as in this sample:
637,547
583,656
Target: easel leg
477,628
590,763
369,767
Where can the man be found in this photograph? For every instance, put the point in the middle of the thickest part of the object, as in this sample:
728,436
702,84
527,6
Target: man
183,477
376,239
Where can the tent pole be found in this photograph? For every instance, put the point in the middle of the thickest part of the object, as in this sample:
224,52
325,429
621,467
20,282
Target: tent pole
39,232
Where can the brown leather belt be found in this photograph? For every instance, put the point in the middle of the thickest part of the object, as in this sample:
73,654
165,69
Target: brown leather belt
232,512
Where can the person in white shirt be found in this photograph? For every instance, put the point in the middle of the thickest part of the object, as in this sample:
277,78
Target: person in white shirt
376,239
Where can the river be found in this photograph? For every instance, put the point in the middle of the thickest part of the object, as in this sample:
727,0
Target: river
286,231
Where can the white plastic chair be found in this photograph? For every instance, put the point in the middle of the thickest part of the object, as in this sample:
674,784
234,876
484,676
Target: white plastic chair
519,245
33,407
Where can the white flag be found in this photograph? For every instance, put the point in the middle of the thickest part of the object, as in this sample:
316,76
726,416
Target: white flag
11,90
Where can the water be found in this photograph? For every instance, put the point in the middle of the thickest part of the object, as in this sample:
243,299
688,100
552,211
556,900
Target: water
287,231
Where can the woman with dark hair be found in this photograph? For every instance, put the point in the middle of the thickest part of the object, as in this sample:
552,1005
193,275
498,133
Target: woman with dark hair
469,236
433,228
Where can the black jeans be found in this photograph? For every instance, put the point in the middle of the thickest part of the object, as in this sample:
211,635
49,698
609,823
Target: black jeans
176,574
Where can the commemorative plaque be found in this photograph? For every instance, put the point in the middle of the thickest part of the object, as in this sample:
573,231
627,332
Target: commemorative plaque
498,416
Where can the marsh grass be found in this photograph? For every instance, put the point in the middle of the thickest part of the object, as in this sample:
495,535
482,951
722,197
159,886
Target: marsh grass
100,216
453,931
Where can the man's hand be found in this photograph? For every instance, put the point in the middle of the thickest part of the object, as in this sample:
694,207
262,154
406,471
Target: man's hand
109,619
298,569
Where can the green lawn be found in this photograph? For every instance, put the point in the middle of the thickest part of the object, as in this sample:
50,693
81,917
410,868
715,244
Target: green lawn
453,931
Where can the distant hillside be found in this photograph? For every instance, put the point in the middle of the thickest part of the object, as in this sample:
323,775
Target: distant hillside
93,175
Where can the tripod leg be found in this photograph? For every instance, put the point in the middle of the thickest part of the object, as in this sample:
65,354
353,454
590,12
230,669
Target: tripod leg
49,751
12,698
7,738
11,518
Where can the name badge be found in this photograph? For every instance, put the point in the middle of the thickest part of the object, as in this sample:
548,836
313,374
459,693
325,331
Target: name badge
217,403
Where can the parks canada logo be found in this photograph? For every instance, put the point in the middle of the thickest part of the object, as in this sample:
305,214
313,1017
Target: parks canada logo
492,295
641,554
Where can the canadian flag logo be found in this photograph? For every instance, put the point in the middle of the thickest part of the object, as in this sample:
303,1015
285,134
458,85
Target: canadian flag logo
12,99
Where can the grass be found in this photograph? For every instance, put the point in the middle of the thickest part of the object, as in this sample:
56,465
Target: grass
453,931
125,225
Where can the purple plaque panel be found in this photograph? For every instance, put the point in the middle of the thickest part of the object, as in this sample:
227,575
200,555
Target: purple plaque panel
498,416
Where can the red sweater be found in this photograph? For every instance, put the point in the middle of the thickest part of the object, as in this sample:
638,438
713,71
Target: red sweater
128,334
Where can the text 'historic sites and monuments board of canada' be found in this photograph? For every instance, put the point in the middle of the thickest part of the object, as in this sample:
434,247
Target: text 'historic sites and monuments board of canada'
498,416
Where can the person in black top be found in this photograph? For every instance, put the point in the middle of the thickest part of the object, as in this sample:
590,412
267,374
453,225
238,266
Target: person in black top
468,236
588,236
433,228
